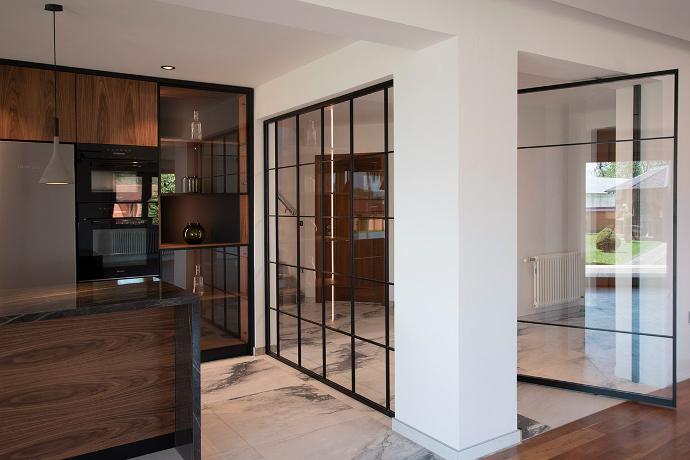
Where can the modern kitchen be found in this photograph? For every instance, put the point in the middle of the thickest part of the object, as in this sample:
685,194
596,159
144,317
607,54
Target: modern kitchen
127,253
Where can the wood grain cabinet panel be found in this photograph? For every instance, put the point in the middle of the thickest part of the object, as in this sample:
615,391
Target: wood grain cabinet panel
78,385
116,111
27,104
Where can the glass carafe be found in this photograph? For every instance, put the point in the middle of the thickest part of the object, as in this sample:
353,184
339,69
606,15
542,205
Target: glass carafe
196,127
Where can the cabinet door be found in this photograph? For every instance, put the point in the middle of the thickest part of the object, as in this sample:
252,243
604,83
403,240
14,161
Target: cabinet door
116,111
27,105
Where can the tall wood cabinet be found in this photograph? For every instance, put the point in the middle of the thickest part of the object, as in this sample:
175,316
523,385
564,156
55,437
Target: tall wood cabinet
27,104
116,111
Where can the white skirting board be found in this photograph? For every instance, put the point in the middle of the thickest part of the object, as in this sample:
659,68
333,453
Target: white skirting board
449,453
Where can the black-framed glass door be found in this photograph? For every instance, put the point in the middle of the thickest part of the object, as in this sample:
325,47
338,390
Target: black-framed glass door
329,232
597,236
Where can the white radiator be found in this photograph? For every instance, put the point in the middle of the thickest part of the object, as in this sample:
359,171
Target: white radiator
558,278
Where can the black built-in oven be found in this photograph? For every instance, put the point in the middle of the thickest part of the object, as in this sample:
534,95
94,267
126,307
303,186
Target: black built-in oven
110,174
117,212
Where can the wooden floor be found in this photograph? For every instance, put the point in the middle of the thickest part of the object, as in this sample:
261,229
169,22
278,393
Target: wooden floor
625,431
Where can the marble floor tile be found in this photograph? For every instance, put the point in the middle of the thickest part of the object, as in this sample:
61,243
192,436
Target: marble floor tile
218,438
362,439
227,379
286,412
529,428
293,417
556,407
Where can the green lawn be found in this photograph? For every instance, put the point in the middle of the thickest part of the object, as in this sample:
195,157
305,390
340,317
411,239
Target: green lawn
623,255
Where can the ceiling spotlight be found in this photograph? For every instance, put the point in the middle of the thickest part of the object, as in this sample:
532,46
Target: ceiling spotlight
168,67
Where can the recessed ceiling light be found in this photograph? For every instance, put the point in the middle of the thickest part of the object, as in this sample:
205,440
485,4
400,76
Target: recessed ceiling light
168,67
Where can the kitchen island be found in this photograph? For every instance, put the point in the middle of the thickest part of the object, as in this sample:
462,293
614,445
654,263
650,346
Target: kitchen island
107,369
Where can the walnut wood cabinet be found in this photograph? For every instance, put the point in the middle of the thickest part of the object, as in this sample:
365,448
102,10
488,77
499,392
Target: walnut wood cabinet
27,104
116,111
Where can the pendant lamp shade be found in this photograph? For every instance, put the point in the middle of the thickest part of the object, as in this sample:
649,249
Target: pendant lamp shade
56,172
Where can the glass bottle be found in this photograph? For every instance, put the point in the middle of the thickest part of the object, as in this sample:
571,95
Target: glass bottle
196,127
198,282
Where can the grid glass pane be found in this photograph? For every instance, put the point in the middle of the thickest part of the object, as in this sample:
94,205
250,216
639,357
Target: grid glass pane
309,136
369,122
312,347
287,142
288,337
339,222
391,133
308,240
339,358
287,240
370,310
310,296
287,191
307,191
337,129
370,372
271,145
602,112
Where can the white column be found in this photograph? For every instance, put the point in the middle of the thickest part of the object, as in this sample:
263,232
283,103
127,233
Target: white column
455,208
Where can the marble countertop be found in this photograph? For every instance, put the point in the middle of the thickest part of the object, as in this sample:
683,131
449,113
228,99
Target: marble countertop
52,302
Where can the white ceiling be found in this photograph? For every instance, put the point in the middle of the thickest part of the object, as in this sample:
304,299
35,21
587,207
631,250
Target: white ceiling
138,36
669,17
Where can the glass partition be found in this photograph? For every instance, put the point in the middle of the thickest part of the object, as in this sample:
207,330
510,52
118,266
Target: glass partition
597,235
329,228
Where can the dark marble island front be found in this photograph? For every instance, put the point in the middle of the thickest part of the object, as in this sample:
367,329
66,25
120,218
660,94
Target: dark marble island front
108,369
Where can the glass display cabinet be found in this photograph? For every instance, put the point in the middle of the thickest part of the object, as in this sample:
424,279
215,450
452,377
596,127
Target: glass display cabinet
204,183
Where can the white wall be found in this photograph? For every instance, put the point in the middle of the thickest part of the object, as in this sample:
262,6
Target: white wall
456,115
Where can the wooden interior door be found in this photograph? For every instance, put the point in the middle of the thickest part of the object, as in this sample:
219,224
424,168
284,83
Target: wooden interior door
339,252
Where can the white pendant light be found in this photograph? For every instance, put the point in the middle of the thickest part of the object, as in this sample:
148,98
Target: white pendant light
56,173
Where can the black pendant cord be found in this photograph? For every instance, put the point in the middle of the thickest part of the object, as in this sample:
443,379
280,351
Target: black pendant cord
54,8
55,88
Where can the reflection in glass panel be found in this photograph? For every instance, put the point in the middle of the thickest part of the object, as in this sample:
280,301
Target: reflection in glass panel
309,136
391,185
338,358
602,112
369,185
287,142
311,347
310,301
287,191
287,240
369,122
336,129
288,337
370,372
626,362
370,248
